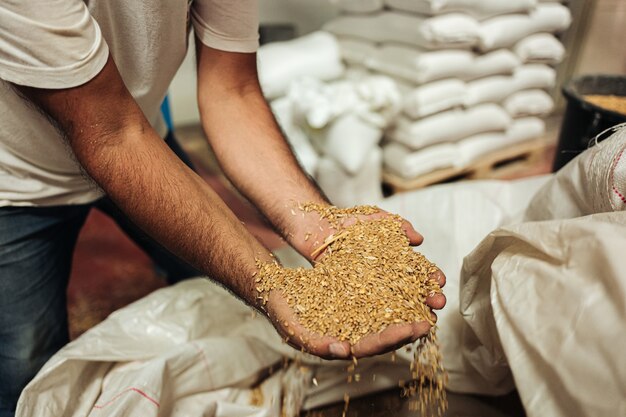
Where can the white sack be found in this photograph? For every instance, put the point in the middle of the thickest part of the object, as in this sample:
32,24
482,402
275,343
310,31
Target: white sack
434,97
449,126
192,350
505,31
349,140
315,55
501,61
420,66
541,48
449,31
492,89
529,103
603,168
360,6
374,98
525,128
346,190
454,218
408,164
547,299
345,119
302,148
534,76
561,353
477,146
166,350
476,8
497,88
356,51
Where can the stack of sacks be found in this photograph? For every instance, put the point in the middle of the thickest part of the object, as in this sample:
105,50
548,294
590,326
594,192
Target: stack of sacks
317,56
400,160
333,127
345,121
471,73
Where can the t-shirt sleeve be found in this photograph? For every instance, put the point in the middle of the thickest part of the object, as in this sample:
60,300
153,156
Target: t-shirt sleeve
228,25
49,43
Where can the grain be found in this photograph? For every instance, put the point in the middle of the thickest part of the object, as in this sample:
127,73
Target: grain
369,278
608,102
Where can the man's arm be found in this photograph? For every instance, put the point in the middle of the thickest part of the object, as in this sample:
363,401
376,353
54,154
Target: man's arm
252,150
256,157
249,145
118,148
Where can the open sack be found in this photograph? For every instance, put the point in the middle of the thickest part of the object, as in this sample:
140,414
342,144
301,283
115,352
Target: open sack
539,304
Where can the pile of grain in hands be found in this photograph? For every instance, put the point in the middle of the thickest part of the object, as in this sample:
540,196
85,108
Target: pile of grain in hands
368,278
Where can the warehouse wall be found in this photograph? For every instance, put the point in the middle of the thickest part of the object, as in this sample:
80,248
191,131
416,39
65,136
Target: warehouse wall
603,48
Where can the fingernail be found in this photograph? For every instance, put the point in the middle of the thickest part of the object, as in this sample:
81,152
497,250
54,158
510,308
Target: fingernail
338,350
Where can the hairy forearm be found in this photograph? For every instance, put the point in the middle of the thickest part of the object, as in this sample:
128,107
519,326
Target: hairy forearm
176,207
251,148
120,151
256,158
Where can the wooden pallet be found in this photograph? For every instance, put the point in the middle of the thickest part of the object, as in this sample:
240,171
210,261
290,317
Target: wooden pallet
498,164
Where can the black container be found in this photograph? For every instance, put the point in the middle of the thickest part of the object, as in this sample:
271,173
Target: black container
583,120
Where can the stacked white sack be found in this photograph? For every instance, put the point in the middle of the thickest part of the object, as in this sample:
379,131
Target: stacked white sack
505,31
449,126
406,163
454,30
454,87
299,142
479,9
345,121
280,64
315,55
419,66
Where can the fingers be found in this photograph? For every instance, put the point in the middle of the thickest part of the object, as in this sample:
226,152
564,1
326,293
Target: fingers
299,337
392,338
436,301
325,347
439,277
415,238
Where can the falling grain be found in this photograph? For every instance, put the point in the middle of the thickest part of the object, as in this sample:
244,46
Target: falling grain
368,278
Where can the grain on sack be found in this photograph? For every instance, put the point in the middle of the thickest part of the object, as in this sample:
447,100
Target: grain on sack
369,278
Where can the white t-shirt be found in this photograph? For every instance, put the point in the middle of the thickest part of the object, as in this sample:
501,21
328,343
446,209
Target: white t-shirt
65,43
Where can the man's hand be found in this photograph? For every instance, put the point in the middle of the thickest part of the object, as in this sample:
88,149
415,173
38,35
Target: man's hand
306,231
310,232
393,337
256,158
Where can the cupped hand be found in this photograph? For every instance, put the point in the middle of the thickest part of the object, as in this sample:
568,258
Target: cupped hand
309,232
391,338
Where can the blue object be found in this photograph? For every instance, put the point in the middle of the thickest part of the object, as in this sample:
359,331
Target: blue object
167,113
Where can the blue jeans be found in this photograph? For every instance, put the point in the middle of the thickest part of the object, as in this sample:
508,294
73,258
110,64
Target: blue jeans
36,247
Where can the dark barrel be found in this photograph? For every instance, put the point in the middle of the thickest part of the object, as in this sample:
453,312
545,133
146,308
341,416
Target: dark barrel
583,120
